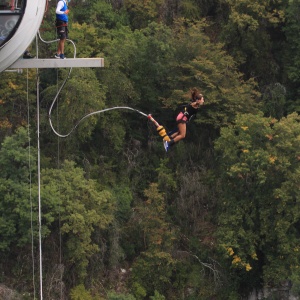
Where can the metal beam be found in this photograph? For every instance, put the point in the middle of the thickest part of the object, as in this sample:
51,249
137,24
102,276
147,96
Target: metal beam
46,63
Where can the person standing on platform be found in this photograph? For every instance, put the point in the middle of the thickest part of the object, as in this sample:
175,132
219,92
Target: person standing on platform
61,27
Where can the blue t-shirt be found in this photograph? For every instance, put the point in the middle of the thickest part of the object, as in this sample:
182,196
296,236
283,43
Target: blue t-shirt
63,17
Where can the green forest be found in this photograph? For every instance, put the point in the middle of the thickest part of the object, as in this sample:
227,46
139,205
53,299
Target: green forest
217,216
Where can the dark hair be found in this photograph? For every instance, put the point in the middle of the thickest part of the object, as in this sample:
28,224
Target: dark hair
195,93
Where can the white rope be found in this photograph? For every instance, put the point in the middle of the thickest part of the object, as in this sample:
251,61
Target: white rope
30,190
56,40
62,86
88,115
59,206
39,174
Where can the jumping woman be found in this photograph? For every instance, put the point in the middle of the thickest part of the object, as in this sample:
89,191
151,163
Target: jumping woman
186,114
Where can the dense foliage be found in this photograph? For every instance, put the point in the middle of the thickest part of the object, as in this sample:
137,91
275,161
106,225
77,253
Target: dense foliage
215,218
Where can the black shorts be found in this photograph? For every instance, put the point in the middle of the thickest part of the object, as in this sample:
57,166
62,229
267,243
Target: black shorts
62,29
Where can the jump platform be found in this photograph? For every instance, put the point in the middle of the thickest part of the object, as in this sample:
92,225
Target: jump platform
49,63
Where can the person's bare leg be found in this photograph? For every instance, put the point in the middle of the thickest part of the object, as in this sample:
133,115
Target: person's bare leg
61,47
181,132
174,134
58,48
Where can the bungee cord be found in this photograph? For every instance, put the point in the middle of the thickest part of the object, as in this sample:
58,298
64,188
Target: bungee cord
56,40
89,115
160,129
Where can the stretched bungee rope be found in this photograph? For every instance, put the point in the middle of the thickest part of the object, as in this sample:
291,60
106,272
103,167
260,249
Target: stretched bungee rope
160,129
89,115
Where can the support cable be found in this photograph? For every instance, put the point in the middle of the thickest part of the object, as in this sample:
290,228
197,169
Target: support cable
30,190
56,40
39,175
59,206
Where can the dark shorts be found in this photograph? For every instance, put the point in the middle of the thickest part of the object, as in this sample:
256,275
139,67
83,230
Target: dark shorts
181,118
62,29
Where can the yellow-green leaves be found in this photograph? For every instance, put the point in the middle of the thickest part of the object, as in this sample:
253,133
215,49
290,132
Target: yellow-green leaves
260,177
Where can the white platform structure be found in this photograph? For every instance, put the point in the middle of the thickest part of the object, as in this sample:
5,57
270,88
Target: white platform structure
19,23
19,26
48,63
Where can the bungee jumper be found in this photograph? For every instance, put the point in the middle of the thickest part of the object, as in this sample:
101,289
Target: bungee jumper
186,114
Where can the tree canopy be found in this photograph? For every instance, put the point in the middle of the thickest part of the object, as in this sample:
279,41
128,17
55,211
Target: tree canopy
217,217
